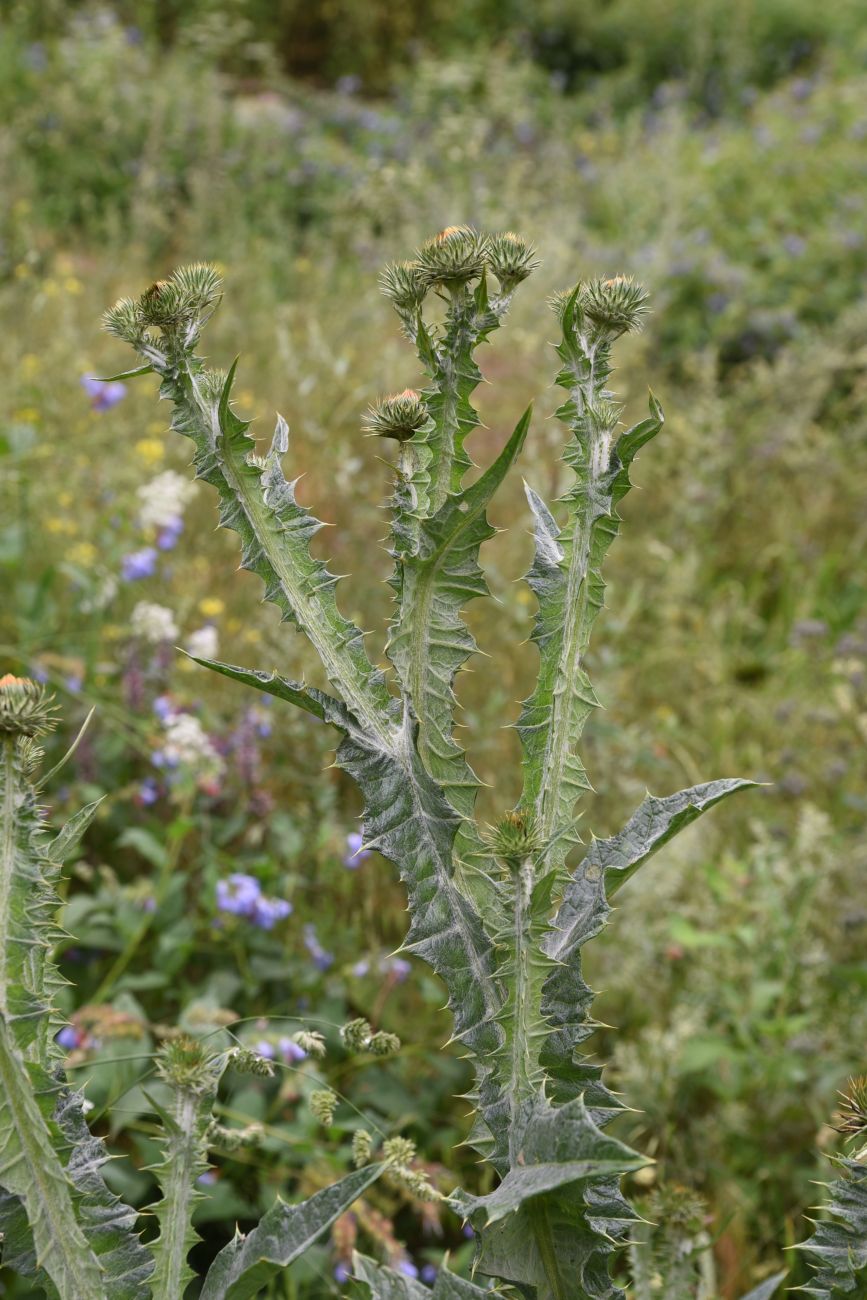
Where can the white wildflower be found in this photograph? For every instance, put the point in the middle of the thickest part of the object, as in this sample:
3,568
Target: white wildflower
203,643
102,594
188,744
164,499
153,623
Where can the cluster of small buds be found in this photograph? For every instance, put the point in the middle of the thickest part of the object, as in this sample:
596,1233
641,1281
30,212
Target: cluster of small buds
358,1036
399,1153
362,1147
246,1061
323,1103
400,416
853,1109
26,707
310,1042
234,1139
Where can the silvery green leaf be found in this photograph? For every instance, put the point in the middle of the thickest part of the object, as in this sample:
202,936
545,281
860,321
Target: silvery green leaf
283,1234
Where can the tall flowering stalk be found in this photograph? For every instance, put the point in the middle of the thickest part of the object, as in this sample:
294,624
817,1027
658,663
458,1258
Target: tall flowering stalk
499,913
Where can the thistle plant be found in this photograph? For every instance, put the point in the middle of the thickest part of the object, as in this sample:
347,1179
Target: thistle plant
501,913
61,1226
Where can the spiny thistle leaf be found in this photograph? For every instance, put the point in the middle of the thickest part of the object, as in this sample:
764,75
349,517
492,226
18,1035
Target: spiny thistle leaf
837,1250
765,1289
382,1283
583,912
248,1263
31,1170
546,1225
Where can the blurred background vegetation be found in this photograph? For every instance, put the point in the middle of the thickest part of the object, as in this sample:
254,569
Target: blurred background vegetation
714,148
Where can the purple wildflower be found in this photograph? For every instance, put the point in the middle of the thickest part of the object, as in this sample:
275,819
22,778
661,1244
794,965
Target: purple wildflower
321,958
266,1049
242,895
341,1273
167,538
291,1051
355,852
163,708
361,968
268,911
397,967
148,792
407,1267
103,394
69,1038
139,564
208,1178
429,1273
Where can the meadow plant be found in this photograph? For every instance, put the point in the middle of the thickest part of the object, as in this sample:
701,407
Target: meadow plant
500,912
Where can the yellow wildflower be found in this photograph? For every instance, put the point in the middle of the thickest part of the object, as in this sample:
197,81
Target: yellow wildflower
211,606
151,450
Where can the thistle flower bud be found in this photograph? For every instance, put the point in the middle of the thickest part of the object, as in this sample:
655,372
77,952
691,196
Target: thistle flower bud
515,836
185,295
454,256
615,305
511,259
362,1147
853,1108
125,321
185,1063
356,1034
383,1044
323,1104
404,284
26,707
400,416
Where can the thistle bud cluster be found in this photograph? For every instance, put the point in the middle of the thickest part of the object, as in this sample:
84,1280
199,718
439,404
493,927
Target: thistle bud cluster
400,416
853,1109
172,305
26,707
453,259
358,1036
323,1103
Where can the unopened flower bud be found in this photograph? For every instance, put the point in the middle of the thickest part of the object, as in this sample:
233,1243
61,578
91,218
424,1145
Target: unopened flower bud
511,259
404,284
454,256
515,836
615,305
26,707
400,416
